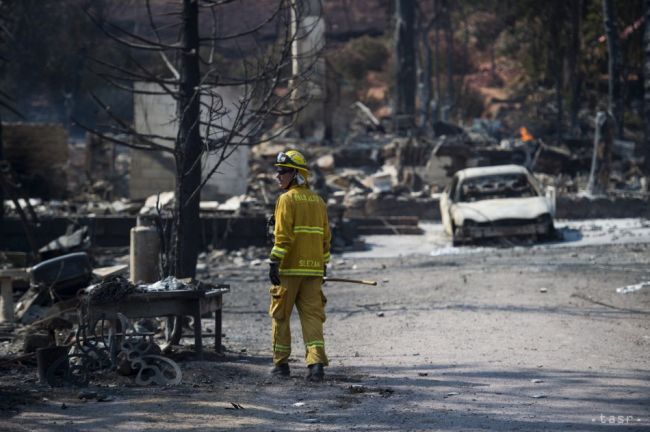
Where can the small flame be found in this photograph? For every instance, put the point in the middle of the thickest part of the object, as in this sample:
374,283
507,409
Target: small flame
525,135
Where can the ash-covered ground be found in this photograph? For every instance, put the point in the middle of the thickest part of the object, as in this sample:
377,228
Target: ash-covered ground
531,337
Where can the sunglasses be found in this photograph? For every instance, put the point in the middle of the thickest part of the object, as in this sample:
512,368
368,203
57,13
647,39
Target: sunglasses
284,171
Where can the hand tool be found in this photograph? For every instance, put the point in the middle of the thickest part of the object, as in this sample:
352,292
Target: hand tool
356,281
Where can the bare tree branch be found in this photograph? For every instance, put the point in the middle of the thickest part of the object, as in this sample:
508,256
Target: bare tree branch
248,32
165,60
208,123
147,44
113,138
131,75
128,129
213,3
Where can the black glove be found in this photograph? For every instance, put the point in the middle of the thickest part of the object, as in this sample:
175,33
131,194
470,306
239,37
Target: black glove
274,273
324,274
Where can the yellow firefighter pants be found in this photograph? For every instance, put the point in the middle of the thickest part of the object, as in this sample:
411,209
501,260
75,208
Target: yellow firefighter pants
305,292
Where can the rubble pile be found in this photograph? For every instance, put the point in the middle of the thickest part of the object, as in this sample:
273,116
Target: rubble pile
371,174
374,168
376,174
117,287
213,260
65,318
111,290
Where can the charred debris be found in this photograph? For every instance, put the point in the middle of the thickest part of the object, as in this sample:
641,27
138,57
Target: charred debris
360,178
374,183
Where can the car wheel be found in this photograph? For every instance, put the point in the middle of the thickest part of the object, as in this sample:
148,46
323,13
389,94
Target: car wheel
550,235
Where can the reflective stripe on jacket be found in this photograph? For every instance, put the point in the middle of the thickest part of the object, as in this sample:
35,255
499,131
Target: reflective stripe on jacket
302,233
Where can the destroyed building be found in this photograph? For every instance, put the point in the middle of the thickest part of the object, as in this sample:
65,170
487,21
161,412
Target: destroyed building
77,198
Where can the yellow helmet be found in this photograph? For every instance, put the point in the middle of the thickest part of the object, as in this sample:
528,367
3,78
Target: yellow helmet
293,159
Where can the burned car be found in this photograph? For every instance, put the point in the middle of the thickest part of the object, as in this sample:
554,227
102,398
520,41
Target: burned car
497,201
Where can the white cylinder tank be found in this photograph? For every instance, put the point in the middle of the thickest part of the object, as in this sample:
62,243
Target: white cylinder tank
144,252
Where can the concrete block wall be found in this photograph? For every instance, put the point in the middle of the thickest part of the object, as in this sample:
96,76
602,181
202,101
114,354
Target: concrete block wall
113,231
153,171
574,207
149,174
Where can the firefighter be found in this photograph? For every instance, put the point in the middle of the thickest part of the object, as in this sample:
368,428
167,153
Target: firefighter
298,263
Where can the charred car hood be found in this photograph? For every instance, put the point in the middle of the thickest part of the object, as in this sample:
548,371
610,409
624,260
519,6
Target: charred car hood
496,209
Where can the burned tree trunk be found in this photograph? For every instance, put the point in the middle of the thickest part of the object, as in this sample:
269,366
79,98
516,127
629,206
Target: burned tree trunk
2,193
556,60
424,79
646,88
575,74
5,36
449,46
188,146
615,106
436,63
600,162
210,123
406,76
426,72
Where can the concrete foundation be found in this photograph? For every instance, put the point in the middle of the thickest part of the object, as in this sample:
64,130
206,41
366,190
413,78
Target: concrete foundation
568,207
152,172
218,232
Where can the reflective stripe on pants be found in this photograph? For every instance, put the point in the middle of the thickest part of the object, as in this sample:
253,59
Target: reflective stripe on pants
305,292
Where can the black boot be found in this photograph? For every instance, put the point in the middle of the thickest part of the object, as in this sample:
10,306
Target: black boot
281,370
315,373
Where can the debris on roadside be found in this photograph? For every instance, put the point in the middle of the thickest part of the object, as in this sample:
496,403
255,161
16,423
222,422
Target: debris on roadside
111,290
633,288
370,174
73,241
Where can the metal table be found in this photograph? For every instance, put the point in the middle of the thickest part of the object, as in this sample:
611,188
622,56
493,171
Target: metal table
193,303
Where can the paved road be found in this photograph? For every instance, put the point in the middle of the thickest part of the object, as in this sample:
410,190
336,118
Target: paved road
573,234
500,339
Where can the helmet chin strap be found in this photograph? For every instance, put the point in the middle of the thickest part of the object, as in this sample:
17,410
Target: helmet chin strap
299,179
293,179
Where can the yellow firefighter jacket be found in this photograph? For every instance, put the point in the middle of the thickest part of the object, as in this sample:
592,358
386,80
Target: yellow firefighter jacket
302,233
